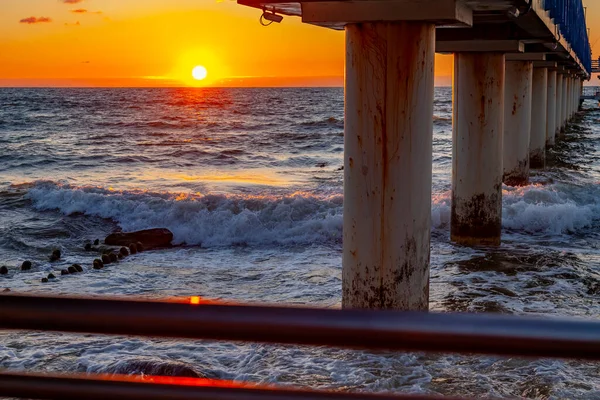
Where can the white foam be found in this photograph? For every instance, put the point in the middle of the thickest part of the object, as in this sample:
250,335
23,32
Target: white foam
554,209
213,220
223,220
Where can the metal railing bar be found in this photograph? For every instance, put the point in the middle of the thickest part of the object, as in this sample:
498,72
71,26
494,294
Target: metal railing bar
90,387
360,329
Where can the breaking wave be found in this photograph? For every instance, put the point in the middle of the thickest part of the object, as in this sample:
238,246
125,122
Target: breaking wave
298,218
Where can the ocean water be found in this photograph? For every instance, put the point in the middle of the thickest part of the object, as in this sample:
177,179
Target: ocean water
249,181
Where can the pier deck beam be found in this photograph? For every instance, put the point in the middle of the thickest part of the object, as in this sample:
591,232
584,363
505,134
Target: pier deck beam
389,90
559,104
539,108
517,122
478,114
551,109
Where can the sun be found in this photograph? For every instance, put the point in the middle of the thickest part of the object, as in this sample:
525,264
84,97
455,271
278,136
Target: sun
199,72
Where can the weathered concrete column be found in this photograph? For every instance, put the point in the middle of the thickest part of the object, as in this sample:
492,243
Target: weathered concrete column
537,143
517,122
573,91
564,102
579,94
576,95
551,109
387,165
478,115
569,98
559,101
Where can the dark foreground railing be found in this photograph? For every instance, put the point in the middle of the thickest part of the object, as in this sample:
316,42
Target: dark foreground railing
359,329
157,388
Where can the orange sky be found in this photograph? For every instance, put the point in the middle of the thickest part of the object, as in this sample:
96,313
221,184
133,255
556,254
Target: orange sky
158,42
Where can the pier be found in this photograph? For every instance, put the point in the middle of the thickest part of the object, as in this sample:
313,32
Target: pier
519,66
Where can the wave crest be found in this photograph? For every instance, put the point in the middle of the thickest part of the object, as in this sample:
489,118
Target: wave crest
298,218
209,220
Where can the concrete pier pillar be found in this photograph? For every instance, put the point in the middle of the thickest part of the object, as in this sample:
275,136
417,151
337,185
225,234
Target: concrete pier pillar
569,98
478,115
559,101
517,122
564,102
551,109
579,94
576,95
537,142
573,91
387,165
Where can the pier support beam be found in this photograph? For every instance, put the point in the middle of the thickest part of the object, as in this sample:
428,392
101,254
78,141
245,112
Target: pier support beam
576,95
569,98
478,114
559,101
517,122
537,143
564,102
551,109
573,90
387,165
579,94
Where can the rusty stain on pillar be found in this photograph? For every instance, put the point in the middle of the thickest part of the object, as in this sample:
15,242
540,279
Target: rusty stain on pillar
537,141
517,122
389,90
478,125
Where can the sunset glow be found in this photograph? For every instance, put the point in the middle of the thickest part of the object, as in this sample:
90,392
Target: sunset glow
159,43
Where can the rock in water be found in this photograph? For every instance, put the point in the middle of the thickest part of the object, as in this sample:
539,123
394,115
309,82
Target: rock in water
139,246
26,266
78,267
64,272
123,251
3,270
98,264
113,257
96,242
55,255
72,270
132,248
105,259
149,238
51,276
44,280
88,246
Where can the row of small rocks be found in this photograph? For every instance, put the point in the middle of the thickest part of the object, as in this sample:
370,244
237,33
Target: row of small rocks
109,256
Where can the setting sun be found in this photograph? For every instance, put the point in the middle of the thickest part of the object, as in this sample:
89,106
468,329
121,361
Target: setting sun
199,73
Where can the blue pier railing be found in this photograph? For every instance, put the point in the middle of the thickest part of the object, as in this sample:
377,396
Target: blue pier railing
569,15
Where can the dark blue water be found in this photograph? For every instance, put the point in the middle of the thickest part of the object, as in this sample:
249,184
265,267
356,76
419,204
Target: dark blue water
249,181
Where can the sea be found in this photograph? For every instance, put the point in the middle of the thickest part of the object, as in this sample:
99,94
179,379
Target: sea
250,182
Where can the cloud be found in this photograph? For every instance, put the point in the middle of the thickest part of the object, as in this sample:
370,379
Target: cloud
34,20
84,11
75,24
71,1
